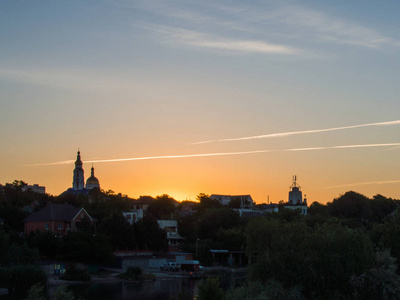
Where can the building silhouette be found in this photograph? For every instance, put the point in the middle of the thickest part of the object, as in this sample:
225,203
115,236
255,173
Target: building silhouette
296,200
78,180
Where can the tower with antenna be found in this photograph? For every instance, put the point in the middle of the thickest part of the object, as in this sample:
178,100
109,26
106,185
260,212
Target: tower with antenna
296,200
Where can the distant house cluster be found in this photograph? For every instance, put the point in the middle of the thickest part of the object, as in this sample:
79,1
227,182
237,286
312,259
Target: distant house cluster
34,188
244,204
241,201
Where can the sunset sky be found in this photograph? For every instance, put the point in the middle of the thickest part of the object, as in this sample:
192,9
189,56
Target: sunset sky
216,97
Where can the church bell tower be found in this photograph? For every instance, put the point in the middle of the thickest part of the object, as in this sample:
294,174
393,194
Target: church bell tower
79,180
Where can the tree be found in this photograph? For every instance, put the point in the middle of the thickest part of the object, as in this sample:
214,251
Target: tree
119,231
46,242
380,281
386,235
209,289
149,235
36,292
21,277
271,290
213,219
20,255
86,247
3,243
381,207
162,208
317,208
351,205
19,184
62,293
335,254
14,217
321,259
206,202
231,239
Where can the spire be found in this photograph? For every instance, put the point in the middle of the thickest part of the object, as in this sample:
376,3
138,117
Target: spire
92,181
78,182
78,159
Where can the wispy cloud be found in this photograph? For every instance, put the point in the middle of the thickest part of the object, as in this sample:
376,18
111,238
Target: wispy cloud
203,40
321,27
64,162
362,183
72,79
283,22
285,134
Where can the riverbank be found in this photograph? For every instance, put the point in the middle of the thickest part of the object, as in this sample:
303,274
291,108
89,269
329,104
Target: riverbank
109,275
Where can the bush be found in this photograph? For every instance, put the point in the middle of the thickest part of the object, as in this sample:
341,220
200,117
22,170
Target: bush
75,274
62,293
272,290
21,277
133,273
36,292
209,289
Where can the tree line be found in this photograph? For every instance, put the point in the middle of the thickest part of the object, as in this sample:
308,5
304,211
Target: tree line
345,249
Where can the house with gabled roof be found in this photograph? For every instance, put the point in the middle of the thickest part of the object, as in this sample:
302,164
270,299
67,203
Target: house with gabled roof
57,218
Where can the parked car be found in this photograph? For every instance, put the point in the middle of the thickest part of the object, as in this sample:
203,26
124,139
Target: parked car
171,266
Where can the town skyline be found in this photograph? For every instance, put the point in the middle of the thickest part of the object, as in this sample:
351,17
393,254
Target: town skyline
183,98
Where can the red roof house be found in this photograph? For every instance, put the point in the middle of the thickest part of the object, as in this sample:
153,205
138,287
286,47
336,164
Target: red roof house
57,218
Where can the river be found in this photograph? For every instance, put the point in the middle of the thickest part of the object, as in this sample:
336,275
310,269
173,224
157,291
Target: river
159,289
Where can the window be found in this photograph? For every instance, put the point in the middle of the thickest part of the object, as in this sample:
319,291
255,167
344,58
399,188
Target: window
59,225
46,226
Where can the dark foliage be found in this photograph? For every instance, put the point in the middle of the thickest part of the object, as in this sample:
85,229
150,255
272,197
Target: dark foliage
74,273
132,273
214,219
46,242
88,248
119,231
162,208
149,235
21,277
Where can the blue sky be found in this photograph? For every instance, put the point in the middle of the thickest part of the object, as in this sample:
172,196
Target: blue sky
126,79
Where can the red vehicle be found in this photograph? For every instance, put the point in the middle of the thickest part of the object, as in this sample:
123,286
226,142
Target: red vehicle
190,265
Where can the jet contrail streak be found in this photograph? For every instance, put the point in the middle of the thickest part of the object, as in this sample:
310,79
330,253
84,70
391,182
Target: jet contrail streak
392,148
284,134
219,154
362,183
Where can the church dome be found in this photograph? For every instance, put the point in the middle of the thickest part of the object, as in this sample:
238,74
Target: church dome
92,182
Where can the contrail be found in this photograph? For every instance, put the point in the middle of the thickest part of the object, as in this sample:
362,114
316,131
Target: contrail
284,134
362,183
219,154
